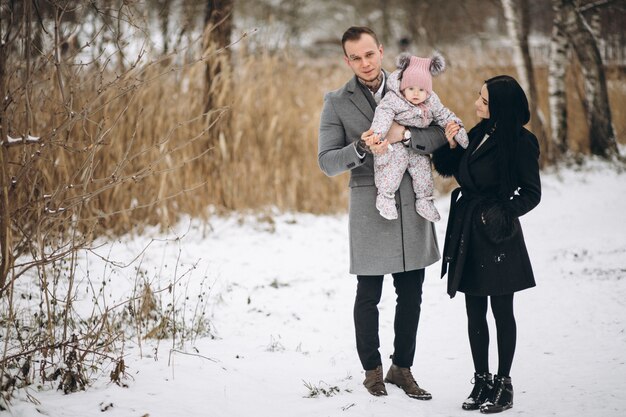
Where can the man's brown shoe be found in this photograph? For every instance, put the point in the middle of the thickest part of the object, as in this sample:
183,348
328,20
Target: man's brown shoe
374,381
403,378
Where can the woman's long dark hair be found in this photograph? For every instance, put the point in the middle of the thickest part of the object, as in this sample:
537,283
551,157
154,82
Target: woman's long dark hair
508,113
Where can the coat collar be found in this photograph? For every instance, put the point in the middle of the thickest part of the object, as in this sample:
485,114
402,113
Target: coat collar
485,148
470,157
359,99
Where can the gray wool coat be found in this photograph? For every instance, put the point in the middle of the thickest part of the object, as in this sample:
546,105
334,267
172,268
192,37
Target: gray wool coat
377,246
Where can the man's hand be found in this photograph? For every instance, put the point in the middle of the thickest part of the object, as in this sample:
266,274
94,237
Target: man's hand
451,130
396,133
372,140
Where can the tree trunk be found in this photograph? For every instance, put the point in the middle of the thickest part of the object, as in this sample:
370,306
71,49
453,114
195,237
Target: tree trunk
293,15
595,24
6,258
165,7
516,13
385,39
602,140
416,12
218,23
557,93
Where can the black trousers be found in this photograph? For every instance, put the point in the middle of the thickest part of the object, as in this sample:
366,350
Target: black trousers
502,309
408,287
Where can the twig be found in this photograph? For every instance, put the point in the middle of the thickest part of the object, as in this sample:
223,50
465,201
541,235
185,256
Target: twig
594,5
55,346
190,354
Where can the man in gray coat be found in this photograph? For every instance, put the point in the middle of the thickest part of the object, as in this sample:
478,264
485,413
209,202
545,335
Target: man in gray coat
402,247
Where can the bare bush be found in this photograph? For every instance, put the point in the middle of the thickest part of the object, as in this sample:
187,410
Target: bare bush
88,145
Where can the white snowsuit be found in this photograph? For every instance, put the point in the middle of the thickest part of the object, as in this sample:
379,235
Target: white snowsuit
389,168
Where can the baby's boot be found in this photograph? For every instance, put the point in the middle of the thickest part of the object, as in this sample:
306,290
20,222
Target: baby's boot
426,208
386,205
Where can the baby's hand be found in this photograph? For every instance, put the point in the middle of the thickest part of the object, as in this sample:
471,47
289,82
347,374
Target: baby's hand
461,138
370,138
381,147
452,129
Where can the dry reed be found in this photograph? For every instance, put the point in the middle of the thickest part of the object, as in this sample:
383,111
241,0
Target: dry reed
148,137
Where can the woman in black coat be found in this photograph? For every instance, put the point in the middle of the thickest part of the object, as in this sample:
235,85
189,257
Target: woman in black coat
484,251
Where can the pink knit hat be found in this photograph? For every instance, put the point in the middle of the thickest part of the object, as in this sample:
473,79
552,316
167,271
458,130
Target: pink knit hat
418,72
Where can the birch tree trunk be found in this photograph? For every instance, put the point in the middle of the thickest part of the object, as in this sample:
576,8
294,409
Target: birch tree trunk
516,13
384,20
557,93
5,226
218,22
602,140
6,255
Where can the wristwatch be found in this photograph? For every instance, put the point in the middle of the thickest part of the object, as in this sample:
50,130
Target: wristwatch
407,136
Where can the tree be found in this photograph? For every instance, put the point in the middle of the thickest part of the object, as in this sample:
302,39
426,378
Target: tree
516,13
602,141
218,23
9,31
557,93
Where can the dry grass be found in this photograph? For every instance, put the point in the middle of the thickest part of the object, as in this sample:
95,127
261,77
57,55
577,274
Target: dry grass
149,130
459,86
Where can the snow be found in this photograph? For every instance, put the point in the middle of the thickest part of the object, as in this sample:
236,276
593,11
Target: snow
280,306
26,139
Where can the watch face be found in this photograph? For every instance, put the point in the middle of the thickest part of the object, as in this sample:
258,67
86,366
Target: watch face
407,134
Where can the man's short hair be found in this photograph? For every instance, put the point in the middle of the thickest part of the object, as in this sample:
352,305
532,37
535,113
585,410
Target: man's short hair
354,33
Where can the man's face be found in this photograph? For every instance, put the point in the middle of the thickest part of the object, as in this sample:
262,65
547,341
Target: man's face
364,57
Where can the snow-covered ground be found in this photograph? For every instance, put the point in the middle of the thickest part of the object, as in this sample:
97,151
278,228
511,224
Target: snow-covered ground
280,304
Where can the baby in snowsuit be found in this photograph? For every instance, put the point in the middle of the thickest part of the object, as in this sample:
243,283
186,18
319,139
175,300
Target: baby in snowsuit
410,101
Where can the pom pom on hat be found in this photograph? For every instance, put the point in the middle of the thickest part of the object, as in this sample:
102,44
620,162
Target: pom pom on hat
402,60
437,64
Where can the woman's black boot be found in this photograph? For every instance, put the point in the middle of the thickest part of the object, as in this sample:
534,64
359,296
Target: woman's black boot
501,397
483,384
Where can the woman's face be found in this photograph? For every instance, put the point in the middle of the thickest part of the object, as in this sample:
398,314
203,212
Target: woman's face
482,103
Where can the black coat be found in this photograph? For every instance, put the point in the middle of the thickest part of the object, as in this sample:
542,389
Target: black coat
484,249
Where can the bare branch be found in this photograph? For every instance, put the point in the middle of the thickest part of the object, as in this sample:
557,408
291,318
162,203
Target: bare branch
594,5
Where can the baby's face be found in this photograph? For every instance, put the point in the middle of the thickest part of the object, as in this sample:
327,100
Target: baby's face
415,95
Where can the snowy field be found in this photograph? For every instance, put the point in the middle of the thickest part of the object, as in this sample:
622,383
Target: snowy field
280,305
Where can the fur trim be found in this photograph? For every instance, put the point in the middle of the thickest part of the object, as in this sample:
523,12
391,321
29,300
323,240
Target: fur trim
437,64
446,160
497,222
402,60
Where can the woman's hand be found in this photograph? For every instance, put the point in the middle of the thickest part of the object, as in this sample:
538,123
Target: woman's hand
372,140
452,129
